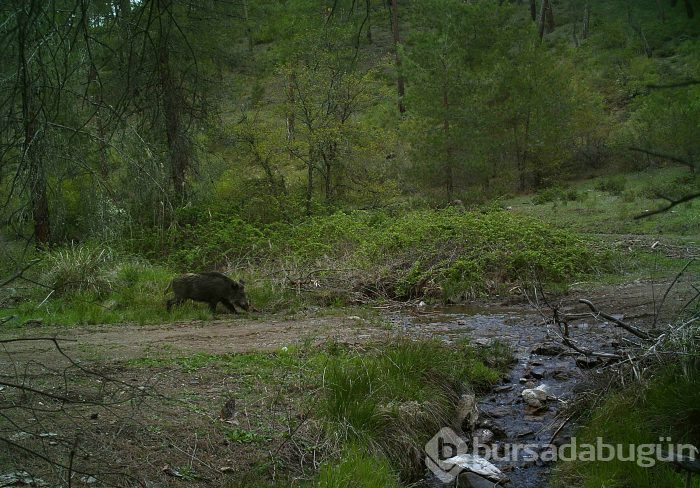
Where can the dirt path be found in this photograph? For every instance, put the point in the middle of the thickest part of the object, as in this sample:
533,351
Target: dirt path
127,341
232,335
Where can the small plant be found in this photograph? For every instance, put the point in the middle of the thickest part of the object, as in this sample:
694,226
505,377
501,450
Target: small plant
614,185
81,268
243,436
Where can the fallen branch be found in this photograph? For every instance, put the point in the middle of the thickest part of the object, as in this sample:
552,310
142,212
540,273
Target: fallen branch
629,328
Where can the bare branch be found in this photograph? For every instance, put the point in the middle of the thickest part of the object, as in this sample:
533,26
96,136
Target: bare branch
19,273
669,157
629,328
668,207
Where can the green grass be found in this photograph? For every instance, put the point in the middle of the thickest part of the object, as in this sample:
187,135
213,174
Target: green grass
392,399
358,469
669,406
378,404
608,205
327,261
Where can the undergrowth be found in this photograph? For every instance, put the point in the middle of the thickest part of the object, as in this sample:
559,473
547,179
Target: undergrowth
392,400
375,406
668,406
335,260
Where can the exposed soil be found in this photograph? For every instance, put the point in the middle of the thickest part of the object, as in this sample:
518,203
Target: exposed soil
239,334
169,432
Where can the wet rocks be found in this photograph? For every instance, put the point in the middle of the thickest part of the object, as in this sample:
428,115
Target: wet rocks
483,436
472,480
536,397
495,411
588,362
562,374
467,412
548,349
537,372
496,430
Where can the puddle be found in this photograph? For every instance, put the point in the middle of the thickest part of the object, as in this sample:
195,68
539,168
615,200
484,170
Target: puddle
503,411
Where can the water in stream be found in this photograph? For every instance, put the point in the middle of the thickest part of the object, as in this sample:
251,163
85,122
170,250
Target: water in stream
503,411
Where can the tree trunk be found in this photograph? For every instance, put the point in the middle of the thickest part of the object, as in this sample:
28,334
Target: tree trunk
662,14
248,30
543,15
586,21
30,152
689,9
549,18
291,83
327,179
449,173
395,30
309,182
533,10
173,107
369,22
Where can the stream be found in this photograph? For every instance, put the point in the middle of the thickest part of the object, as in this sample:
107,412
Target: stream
538,359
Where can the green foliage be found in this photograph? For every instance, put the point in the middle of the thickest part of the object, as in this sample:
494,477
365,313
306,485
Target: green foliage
556,194
357,468
243,436
96,285
667,406
80,268
613,185
393,399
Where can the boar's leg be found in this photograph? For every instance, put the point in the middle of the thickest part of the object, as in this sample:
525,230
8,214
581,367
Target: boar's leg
212,306
229,305
173,301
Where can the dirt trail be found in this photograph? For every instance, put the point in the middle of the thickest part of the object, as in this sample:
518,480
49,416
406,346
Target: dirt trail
128,341
239,334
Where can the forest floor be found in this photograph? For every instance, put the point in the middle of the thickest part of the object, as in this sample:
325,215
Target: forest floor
229,402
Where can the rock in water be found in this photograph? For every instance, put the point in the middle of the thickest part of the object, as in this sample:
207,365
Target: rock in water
536,397
478,465
467,412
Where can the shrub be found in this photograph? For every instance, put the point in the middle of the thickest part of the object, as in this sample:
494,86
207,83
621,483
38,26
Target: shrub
614,185
83,267
551,194
556,194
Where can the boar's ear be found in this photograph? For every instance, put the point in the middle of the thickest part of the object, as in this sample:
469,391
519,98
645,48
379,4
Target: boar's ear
241,282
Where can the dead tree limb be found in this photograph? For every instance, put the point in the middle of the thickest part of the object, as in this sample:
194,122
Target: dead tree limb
679,84
663,299
629,328
669,157
668,207
19,273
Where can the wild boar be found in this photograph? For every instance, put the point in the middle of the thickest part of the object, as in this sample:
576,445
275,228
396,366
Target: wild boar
210,287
